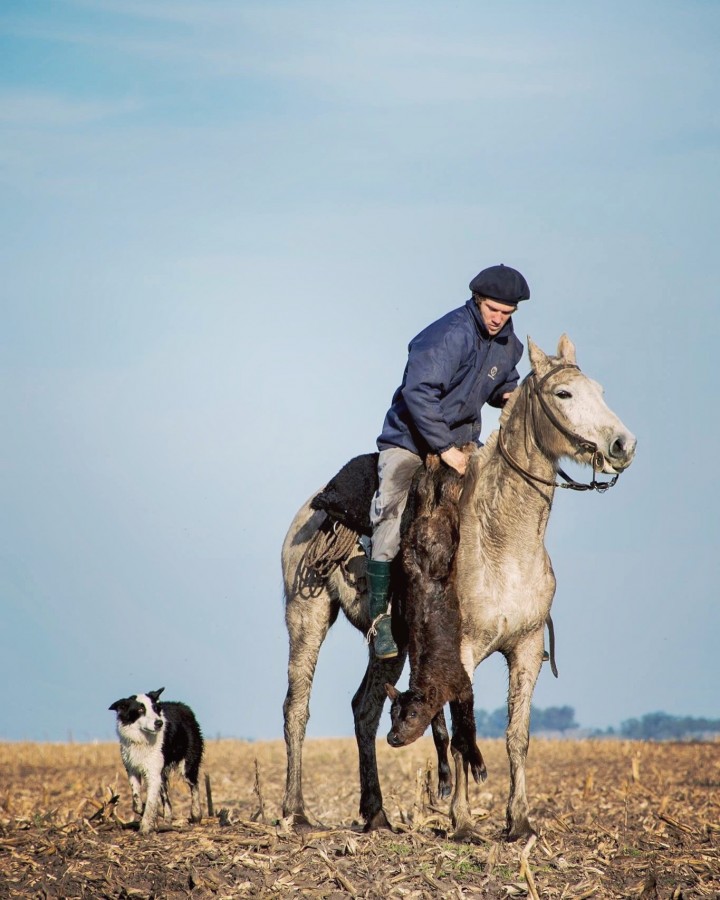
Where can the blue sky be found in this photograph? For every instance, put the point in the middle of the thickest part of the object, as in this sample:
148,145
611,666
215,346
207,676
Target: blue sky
222,223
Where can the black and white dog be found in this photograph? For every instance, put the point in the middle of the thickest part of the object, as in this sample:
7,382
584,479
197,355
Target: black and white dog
154,737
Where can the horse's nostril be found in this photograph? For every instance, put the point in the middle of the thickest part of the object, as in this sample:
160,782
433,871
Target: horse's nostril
623,446
618,447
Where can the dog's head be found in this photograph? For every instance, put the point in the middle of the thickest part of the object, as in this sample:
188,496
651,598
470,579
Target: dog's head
141,713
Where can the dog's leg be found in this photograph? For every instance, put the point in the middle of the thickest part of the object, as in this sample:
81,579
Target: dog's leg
191,770
153,802
195,811
137,803
165,799
191,779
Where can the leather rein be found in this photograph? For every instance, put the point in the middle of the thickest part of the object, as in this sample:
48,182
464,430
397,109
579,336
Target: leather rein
598,459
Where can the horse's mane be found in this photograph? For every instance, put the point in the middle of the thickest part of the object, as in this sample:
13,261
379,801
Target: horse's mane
512,401
481,456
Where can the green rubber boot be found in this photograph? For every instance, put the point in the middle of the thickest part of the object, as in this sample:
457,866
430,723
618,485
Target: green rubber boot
379,581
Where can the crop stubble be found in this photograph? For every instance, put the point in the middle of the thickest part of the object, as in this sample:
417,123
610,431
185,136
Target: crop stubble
616,819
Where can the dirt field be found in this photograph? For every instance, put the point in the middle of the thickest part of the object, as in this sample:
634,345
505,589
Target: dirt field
615,820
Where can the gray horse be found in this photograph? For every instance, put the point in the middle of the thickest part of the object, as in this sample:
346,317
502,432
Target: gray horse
503,577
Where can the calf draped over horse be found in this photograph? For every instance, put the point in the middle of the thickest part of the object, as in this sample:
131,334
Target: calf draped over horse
501,575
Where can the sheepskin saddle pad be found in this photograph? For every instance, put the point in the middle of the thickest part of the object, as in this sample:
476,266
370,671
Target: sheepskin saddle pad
347,497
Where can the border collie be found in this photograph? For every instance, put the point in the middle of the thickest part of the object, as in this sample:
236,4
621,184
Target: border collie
154,737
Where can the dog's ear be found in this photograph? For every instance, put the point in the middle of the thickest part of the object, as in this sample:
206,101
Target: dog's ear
119,704
155,695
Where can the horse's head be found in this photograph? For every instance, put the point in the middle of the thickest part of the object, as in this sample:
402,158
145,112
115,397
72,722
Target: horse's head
410,714
571,417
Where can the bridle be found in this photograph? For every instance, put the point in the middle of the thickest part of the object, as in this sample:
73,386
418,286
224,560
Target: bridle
534,390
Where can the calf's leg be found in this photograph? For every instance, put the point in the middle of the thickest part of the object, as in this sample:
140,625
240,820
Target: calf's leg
464,736
441,739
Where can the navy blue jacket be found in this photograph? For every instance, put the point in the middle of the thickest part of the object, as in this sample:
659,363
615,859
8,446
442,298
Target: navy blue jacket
453,368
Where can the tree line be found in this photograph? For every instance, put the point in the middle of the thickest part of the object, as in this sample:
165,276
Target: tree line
655,726
554,718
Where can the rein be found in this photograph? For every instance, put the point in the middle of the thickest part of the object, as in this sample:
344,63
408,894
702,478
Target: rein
597,457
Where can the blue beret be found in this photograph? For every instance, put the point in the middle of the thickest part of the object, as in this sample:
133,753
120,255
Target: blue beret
501,283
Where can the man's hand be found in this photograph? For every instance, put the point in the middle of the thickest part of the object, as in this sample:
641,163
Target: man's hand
455,458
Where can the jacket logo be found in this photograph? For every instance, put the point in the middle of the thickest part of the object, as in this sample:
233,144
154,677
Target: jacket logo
493,372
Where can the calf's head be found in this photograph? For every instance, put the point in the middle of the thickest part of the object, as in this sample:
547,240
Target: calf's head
410,714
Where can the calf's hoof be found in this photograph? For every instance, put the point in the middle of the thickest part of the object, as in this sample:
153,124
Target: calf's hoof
377,821
444,789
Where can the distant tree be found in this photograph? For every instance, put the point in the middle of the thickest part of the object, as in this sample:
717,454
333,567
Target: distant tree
660,726
498,721
554,718
491,725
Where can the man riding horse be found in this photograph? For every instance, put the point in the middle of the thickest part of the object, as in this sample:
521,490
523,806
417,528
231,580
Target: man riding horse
457,364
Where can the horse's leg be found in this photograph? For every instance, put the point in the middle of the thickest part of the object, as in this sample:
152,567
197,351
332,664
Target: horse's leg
308,621
460,805
441,740
524,663
367,705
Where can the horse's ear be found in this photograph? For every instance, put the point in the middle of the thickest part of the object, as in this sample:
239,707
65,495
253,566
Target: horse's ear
538,360
392,692
566,349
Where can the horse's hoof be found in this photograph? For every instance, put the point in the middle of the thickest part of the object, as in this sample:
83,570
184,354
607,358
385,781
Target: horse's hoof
302,821
378,821
466,834
523,831
444,789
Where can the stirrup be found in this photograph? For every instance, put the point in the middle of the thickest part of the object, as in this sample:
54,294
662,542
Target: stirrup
546,656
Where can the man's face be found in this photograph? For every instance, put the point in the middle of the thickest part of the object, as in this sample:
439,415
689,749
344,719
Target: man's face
495,315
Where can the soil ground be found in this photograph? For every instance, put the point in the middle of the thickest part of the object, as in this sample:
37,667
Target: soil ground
615,819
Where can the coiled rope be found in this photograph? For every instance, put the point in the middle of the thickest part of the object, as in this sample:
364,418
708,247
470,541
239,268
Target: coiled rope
331,546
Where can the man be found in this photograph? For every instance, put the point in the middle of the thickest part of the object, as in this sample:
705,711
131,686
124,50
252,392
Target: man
456,365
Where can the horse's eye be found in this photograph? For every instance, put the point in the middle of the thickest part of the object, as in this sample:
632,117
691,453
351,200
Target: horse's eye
412,715
563,395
